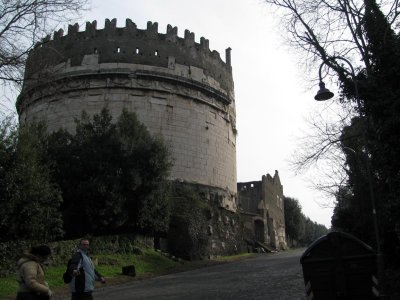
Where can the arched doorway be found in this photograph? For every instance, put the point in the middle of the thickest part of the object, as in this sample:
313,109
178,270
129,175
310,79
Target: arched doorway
259,230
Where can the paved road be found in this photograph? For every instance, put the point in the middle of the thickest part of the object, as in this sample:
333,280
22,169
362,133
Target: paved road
267,276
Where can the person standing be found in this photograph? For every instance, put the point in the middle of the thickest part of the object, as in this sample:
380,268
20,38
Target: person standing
83,273
31,279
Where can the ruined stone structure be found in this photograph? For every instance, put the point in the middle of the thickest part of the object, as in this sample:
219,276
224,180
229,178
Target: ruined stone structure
261,206
177,87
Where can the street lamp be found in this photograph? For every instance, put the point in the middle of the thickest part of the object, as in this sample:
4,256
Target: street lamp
325,94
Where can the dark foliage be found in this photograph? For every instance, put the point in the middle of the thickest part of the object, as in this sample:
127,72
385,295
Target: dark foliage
299,227
29,199
354,198
294,224
312,231
380,96
187,237
112,176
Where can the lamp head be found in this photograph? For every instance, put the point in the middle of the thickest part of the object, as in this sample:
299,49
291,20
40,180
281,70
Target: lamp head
323,93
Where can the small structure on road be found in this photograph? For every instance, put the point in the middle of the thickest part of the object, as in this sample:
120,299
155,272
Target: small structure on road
340,266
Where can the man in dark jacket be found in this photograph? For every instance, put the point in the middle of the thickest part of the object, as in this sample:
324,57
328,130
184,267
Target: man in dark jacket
83,272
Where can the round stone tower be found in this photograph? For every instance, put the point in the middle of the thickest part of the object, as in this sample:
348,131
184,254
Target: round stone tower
177,87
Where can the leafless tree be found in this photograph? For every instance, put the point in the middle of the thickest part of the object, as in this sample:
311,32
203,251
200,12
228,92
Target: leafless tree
22,24
321,30
320,149
325,29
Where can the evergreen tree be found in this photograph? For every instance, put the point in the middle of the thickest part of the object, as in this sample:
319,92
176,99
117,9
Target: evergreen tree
312,231
30,201
353,199
112,175
294,224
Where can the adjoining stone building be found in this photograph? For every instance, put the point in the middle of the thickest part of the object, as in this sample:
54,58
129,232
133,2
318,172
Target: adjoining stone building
178,88
261,206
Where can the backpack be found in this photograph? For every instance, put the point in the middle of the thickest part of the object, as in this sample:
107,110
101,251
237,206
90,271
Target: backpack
67,277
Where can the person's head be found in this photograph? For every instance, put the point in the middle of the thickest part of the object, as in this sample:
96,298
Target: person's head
42,252
84,245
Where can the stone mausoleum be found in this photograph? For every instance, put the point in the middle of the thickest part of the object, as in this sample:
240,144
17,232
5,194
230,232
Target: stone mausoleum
179,89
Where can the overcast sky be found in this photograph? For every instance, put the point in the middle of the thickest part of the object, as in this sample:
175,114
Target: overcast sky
273,98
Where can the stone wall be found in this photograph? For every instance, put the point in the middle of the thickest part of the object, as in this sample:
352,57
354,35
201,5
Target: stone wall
205,228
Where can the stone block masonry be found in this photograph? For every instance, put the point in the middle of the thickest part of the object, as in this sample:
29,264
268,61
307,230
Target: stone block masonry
178,88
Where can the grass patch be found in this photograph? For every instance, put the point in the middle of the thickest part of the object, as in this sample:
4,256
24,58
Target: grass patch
147,264
8,286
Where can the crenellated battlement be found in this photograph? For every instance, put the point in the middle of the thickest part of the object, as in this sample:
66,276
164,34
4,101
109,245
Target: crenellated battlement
110,28
129,44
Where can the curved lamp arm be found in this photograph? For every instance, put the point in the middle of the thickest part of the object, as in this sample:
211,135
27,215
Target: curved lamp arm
324,94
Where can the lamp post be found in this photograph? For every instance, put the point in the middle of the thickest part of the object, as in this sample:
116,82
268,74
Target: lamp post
324,94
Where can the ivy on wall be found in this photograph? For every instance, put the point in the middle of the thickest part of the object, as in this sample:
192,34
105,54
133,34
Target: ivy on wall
187,236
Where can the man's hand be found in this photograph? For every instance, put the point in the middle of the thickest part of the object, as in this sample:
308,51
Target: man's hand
75,273
102,280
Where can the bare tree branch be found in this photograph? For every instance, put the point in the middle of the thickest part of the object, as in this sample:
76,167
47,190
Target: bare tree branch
322,30
23,23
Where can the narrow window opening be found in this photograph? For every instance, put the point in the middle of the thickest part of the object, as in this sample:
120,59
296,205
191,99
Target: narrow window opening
137,51
118,50
156,53
95,51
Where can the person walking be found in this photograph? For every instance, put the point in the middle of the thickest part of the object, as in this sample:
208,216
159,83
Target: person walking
31,279
83,273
